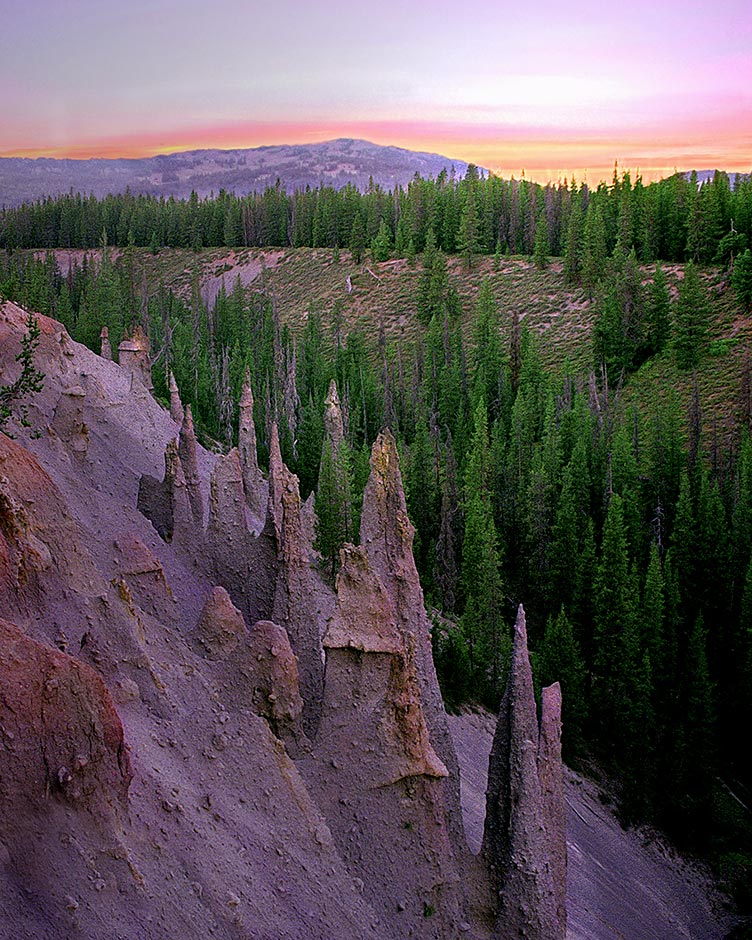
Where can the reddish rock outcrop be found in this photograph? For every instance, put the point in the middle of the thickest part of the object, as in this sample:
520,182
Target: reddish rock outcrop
61,735
516,843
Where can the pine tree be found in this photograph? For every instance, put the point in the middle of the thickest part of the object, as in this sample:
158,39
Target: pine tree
741,279
560,660
333,504
358,238
540,246
615,604
692,317
595,252
658,317
481,577
573,248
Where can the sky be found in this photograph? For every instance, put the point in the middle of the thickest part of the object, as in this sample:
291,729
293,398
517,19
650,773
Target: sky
550,88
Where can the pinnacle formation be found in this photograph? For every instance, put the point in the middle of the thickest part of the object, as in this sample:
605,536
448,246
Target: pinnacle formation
282,732
524,824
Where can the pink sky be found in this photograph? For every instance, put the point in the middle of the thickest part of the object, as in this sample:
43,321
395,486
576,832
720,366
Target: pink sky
548,88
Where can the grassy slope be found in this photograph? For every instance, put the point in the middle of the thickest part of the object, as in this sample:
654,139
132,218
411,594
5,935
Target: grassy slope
300,279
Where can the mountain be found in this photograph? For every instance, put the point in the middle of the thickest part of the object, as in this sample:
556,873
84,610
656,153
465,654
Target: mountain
333,163
706,176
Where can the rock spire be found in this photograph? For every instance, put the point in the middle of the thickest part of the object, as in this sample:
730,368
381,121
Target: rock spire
517,841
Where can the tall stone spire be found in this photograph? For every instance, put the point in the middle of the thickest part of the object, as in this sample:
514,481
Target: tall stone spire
333,422
296,584
515,839
106,347
551,775
189,461
386,535
176,406
253,480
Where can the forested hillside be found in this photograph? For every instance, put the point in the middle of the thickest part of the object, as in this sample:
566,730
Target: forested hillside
567,373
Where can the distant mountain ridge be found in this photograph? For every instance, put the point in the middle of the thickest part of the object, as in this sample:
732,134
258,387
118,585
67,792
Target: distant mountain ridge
335,163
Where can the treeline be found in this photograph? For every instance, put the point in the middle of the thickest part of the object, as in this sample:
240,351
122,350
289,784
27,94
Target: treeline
627,535
671,220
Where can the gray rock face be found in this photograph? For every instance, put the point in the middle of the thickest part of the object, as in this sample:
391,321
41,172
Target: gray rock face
68,421
516,839
373,766
220,628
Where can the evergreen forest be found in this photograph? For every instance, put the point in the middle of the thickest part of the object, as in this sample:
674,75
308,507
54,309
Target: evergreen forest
604,481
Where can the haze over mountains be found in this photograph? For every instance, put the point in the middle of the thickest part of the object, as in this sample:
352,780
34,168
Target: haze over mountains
335,163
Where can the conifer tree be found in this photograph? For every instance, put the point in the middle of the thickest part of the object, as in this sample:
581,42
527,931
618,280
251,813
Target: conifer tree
333,504
742,279
615,605
541,246
560,660
692,319
658,317
481,578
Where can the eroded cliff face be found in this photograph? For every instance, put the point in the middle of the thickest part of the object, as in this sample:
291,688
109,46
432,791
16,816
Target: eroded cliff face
231,745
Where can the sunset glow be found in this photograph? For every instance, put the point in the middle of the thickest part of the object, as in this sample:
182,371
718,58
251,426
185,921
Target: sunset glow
550,90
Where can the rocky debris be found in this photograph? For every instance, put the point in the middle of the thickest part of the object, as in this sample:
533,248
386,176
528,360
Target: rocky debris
61,735
551,775
298,590
134,356
516,839
220,628
254,485
177,413
165,502
187,449
68,421
386,535
105,345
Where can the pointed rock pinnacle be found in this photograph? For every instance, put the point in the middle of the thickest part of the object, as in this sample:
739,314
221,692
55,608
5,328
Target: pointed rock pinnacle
176,406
